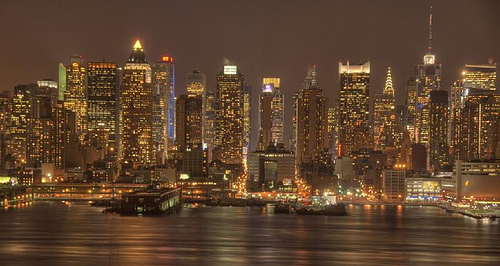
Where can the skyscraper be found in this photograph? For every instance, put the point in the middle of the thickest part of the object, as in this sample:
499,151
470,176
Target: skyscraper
163,106
62,81
311,121
384,115
4,125
481,77
428,79
40,148
271,104
411,102
136,118
438,150
102,82
189,122
75,95
21,110
354,106
210,122
456,104
229,123
196,83
247,118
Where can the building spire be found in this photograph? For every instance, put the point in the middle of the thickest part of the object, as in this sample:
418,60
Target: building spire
388,88
429,46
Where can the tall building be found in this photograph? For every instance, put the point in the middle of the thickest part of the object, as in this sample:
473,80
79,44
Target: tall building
4,127
411,103
210,122
189,122
428,79
62,81
196,83
354,105
247,118
456,104
163,83
479,126
311,121
438,149
20,116
271,114
136,118
229,123
384,115
75,95
102,86
481,77
40,148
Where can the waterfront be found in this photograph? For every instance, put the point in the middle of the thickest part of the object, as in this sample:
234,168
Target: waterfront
54,233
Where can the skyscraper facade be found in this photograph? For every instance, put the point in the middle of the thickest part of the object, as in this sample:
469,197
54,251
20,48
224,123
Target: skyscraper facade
481,77
247,118
354,106
229,123
102,86
162,82
75,95
136,118
311,121
20,116
438,150
271,113
384,115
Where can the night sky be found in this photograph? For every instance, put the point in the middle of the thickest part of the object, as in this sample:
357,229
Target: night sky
264,38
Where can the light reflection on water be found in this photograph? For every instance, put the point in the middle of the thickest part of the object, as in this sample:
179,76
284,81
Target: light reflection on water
76,234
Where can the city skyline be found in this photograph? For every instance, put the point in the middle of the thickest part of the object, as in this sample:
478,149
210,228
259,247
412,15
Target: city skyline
278,53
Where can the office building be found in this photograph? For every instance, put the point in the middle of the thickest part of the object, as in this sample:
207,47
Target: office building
384,116
136,118
270,168
75,95
480,77
354,106
271,114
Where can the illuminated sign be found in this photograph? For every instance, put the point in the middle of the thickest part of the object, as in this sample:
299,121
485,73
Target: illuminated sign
267,88
8,180
184,176
230,70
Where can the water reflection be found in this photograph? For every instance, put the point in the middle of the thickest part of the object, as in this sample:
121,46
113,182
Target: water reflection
56,233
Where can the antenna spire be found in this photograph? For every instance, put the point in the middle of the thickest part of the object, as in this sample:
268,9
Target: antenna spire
429,46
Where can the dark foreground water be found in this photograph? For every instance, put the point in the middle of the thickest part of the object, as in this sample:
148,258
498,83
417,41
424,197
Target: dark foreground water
57,234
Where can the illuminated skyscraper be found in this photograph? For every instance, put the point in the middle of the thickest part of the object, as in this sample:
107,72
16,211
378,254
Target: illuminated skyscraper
456,104
247,117
189,122
480,126
40,148
4,126
428,79
196,83
271,104
21,110
75,95
438,150
354,106
384,115
411,103
311,121
102,81
163,106
210,121
481,77
136,118
62,81
229,123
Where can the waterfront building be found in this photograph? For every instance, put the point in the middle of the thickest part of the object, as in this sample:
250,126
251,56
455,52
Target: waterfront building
271,115
311,120
270,169
136,119
477,179
422,189
438,149
394,183
75,95
163,101
102,89
229,123
354,106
